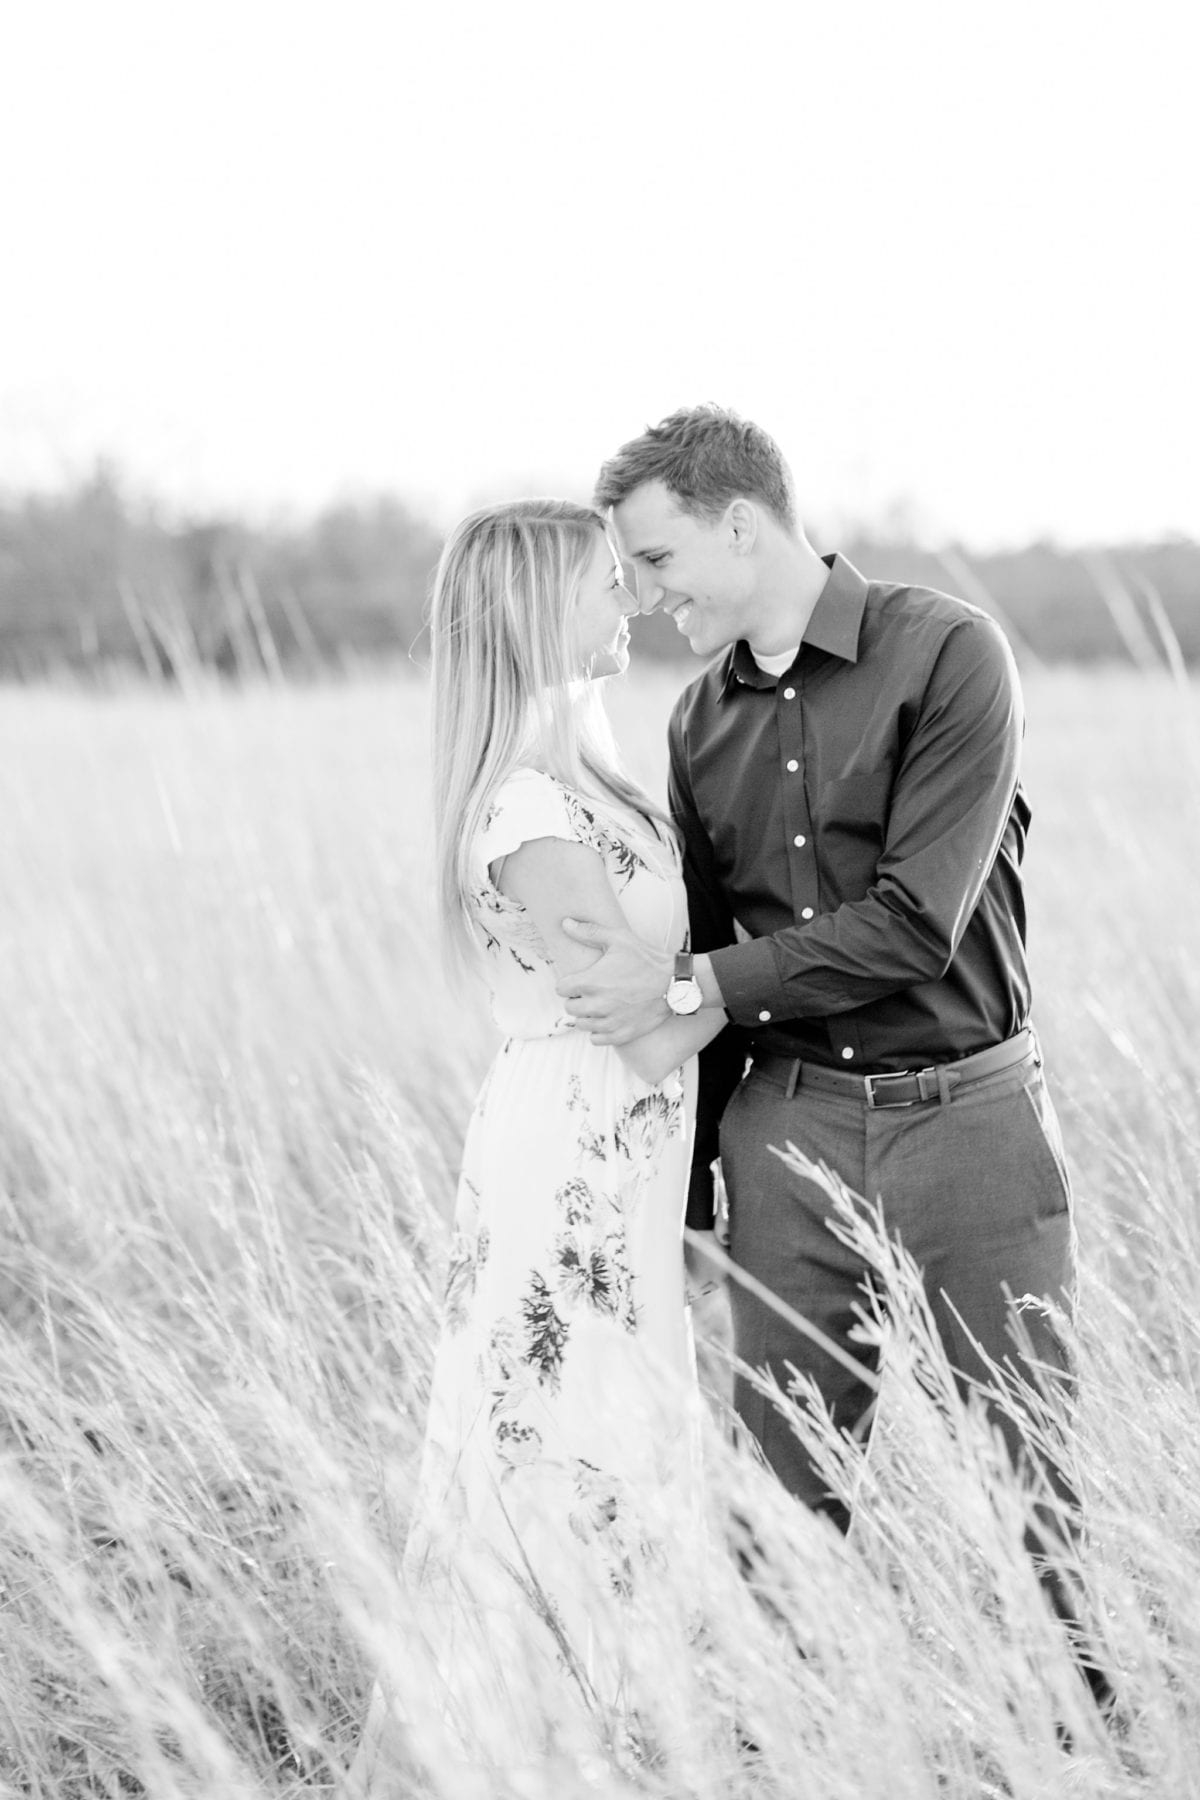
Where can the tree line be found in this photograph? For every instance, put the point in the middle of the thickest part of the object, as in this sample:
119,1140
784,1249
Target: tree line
93,579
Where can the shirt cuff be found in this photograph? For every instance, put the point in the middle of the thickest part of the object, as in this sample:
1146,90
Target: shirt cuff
749,982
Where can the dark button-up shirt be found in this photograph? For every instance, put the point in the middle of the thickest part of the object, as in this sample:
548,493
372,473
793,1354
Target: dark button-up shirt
853,834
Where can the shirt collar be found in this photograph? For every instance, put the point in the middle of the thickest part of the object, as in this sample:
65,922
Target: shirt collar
834,627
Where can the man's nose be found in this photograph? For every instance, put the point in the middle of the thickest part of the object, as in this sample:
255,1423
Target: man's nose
649,592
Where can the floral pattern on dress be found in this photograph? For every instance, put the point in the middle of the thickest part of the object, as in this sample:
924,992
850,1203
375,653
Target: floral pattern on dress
468,1254
601,1516
488,908
643,1127
517,1441
589,1270
593,1270
589,1266
503,923
577,1200
460,1281
618,856
546,1331
591,1141
560,1433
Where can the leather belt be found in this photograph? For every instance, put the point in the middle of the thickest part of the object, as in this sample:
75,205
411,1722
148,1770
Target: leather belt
904,1087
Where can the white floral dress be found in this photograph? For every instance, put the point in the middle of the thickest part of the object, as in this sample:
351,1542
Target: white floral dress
561,1454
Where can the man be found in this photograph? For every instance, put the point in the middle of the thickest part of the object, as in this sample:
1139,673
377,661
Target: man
845,779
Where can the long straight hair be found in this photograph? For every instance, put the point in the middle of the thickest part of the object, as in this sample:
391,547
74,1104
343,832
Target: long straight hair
506,690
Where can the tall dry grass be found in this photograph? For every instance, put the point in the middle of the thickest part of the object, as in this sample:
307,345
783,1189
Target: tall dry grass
232,1087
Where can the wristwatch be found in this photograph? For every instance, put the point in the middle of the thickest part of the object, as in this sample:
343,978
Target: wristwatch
683,991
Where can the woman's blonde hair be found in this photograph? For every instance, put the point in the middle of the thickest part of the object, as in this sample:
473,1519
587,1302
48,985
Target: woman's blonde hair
506,688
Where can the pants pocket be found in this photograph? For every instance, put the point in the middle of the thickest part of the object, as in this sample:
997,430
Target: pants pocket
1037,1098
724,1189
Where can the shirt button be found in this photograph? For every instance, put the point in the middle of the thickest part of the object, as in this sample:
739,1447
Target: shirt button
847,1053
789,693
793,765
764,1016
799,841
806,912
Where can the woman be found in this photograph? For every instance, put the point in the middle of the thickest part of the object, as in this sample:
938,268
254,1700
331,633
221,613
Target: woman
560,1457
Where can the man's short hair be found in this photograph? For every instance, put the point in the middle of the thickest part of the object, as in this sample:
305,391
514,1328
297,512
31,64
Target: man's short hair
705,456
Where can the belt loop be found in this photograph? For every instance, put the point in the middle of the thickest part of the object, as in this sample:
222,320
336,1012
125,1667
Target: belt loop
793,1078
944,1085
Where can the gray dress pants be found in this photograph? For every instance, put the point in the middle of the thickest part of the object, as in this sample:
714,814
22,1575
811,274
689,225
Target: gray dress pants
978,1192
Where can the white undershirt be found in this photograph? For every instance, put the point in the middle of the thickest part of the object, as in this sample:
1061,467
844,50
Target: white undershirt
776,665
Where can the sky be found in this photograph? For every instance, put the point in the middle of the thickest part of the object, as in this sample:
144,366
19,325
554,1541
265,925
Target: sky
263,256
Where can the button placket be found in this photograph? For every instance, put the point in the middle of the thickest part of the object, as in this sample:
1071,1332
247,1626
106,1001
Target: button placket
802,868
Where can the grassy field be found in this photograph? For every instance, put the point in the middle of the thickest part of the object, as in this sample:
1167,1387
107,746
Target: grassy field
232,1089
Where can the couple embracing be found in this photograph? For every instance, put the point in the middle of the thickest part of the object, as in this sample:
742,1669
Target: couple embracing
822,942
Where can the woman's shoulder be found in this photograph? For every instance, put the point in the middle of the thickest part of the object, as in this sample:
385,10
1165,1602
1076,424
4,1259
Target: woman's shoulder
528,789
527,803
532,802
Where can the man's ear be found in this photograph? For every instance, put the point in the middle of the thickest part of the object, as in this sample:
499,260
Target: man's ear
741,518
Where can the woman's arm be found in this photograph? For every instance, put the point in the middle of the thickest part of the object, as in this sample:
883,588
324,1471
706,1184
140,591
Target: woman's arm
655,1055
554,879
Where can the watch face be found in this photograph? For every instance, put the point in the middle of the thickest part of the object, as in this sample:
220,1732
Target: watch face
685,996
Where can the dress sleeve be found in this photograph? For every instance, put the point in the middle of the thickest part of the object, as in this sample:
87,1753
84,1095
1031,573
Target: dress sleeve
526,806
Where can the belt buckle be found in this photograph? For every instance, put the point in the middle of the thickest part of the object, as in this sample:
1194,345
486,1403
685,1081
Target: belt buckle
869,1081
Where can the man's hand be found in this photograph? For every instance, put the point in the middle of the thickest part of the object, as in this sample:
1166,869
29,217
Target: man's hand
620,997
